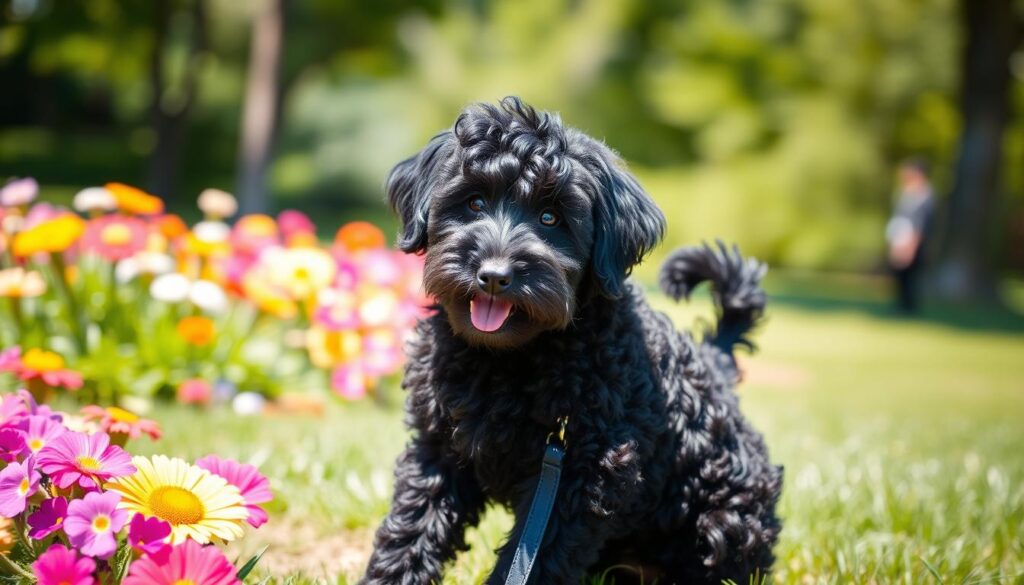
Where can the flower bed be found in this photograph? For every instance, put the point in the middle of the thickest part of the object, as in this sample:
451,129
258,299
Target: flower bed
77,508
122,301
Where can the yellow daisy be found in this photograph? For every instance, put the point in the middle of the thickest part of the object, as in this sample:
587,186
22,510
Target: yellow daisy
196,503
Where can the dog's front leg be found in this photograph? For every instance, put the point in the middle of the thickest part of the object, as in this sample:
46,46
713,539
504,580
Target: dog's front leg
434,501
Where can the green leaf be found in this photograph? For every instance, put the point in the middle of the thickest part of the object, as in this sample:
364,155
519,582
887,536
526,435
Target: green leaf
119,564
250,564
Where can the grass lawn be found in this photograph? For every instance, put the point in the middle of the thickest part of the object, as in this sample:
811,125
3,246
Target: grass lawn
903,442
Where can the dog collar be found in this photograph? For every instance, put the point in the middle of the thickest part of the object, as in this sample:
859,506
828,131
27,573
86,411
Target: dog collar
540,508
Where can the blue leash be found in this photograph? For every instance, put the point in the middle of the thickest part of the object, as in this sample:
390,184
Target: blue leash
540,509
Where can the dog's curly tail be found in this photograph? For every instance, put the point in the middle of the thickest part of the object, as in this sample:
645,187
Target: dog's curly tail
739,299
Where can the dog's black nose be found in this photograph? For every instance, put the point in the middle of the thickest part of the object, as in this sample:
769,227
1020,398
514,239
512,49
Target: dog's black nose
494,276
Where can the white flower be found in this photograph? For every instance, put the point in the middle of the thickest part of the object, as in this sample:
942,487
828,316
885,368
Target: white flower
19,192
208,296
217,204
212,232
170,288
94,199
248,403
143,263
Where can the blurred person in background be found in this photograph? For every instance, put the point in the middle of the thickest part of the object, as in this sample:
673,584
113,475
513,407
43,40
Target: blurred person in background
908,231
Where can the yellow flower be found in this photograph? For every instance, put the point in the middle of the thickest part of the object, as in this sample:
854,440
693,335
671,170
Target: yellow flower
133,200
55,235
329,348
196,330
196,503
268,298
301,272
42,360
21,283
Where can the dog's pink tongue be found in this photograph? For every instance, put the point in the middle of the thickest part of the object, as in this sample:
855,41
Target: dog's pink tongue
488,313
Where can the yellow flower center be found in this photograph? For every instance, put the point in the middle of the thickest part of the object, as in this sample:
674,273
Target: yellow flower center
23,488
36,444
88,463
42,360
176,505
184,582
101,523
116,234
122,415
301,273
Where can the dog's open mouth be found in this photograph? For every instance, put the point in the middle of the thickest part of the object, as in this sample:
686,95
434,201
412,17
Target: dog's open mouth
488,313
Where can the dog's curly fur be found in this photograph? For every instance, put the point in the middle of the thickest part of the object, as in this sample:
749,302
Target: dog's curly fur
662,472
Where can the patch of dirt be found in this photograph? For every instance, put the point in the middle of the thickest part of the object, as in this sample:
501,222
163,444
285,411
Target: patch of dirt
761,372
298,548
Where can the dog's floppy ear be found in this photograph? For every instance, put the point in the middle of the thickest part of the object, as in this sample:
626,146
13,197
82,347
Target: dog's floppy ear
409,188
627,223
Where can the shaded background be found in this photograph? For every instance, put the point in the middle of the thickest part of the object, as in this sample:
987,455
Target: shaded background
774,123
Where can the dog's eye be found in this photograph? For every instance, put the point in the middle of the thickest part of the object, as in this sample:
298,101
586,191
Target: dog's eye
548,218
477,204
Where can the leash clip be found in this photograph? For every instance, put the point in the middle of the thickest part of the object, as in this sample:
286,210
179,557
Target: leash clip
562,421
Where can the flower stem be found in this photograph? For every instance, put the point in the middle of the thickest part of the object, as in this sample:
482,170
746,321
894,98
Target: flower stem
9,567
60,268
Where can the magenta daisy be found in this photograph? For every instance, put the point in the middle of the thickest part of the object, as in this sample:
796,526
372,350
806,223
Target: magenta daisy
39,431
93,522
148,534
18,481
12,444
62,566
254,487
85,459
48,519
189,562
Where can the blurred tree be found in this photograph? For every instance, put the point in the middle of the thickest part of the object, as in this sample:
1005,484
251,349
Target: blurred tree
993,32
173,96
262,94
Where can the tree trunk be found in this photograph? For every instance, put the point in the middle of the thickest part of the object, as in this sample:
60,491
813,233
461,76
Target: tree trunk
259,118
169,118
967,272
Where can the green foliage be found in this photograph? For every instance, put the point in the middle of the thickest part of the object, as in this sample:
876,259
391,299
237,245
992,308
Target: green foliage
776,123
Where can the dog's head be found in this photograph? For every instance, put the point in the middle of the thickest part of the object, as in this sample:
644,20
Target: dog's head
521,219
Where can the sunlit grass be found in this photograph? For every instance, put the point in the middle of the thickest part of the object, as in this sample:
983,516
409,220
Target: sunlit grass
902,442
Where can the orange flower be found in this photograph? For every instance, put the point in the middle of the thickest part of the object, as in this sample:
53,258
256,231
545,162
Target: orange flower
171,226
133,200
359,235
54,235
196,331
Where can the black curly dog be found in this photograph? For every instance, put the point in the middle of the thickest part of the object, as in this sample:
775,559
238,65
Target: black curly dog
530,229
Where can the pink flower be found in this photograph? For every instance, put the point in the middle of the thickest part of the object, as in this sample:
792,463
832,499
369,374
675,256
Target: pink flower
18,481
39,431
12,444
93,523
10,361
48,519
86,459
148,535
189,562
62,566
292,222
195,391
19,192
255,488
48,367
115,237
349,381
382,352
114,420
